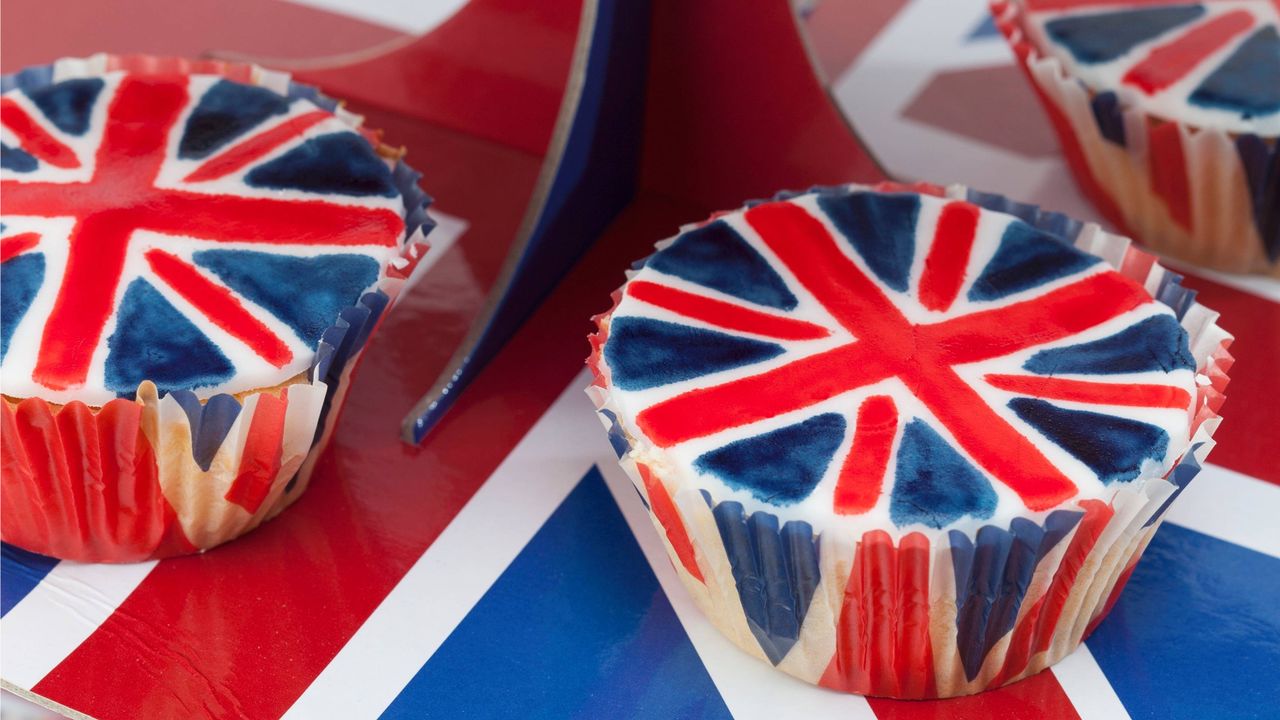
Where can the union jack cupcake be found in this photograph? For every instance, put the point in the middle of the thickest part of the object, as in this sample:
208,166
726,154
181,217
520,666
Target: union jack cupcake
1169,116
906,441
192,257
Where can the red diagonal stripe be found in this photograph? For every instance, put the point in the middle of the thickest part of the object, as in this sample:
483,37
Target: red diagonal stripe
794,386
1127,394
803,244
862,476
35,139
219,305
15,245
944,268
724,314
1056,315
242,154
1168,63
989,439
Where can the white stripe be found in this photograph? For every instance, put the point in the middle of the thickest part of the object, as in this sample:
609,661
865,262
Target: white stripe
60,613
1263,287
1088,688
473,551
411,16
1231,506
750,687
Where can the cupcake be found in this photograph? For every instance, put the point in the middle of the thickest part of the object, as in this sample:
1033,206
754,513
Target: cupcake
193,257
1169,116
906,441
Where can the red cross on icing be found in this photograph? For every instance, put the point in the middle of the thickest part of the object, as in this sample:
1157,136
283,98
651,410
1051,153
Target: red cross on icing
921,355
122,197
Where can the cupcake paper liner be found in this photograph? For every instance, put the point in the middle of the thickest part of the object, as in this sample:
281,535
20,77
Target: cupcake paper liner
153,476
1205,196
930,615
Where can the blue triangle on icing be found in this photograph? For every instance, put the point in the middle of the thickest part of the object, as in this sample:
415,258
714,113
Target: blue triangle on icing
716,256
644,353
153,341
1103,37
306,293
227,110
342,163
780,467
1113,447
68,104
20,279
1249,81
1027,257
934,485
881,227
16,159
1157,343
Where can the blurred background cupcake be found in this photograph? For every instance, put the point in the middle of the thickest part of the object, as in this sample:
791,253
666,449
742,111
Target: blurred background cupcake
194,255
1168,114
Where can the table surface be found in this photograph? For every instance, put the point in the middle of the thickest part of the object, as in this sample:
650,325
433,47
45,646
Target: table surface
507,568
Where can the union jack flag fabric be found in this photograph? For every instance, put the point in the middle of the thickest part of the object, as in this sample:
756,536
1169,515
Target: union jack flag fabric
191,230
829,379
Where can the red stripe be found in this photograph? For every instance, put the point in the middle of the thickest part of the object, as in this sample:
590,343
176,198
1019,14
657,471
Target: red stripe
862,476
1127,394
806,248
1053,316
1167,166
1249,442
665,510
220,306
1040,697
724,314
1097,515
261,460
944,268
15,245
94,477
220,218
34,139
1168,63
882,635
993,443
799,384
85,300
244,153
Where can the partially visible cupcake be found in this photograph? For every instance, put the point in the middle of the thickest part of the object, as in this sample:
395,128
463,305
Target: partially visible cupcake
906,441
1169,117
192,257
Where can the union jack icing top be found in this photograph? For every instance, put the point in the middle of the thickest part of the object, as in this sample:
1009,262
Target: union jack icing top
1212,64
189,230
894,360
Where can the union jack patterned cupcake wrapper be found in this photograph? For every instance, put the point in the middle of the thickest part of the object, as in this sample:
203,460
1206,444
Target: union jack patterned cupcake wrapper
162,474
1204,195
928,614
